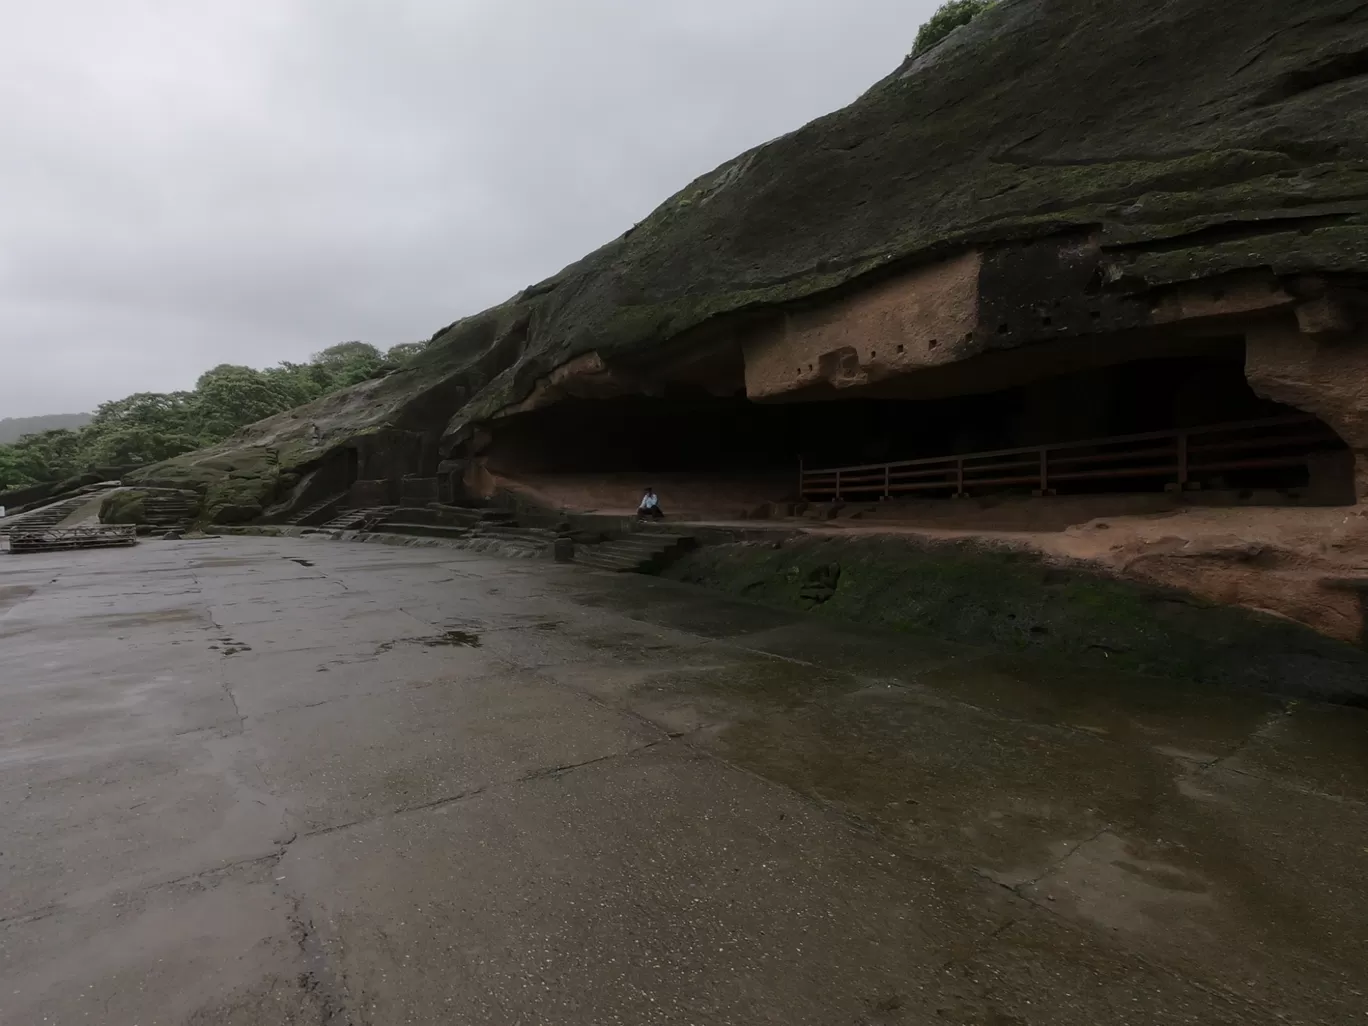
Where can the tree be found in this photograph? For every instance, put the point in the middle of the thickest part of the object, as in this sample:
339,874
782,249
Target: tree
399,355
13,473
151,426
134,446
349,363
48,455
142,428
948,17
230,397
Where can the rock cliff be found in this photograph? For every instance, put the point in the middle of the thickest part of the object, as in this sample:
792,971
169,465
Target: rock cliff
1057,168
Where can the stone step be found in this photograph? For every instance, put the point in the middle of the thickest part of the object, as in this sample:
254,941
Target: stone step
602,563
354,518
425,530
514,533
651,547
609,552
47,516
627,552
456,515
311,511
616,559
640,553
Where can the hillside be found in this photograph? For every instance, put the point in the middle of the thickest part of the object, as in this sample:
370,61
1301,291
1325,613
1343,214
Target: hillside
14,428
1167,143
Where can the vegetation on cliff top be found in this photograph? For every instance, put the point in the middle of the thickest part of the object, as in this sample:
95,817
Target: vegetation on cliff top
948,17
1145,126
150,426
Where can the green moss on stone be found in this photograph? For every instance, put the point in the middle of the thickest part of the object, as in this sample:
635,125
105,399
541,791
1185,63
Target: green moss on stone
1009,599
124,507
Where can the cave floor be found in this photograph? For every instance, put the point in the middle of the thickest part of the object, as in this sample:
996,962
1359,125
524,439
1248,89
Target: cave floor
259,780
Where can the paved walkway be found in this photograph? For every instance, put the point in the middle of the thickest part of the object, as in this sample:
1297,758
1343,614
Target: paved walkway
285,781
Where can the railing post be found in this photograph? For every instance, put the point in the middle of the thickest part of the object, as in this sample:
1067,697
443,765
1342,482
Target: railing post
959,477
802,480
1044,471
885,481
1182,460
838,485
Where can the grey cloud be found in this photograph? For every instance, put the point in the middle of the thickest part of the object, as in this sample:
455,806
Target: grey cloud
184,184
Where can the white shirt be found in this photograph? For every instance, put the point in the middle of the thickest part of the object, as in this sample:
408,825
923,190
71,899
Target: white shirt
649,502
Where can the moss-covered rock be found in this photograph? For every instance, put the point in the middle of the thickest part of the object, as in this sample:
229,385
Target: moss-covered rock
126,506
151,507
1190,141
1005,598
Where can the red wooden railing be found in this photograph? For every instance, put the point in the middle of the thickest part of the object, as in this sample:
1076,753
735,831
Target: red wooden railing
1176,457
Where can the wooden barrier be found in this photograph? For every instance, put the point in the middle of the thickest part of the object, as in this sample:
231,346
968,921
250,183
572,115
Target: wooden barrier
1177,457
56,539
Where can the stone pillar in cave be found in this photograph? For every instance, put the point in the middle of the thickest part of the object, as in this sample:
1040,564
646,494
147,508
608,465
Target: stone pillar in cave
1323,374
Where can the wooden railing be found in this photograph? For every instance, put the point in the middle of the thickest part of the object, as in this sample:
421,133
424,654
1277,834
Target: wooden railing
1176,457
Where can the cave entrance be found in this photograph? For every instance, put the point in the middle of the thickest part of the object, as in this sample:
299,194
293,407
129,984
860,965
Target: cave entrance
1143,425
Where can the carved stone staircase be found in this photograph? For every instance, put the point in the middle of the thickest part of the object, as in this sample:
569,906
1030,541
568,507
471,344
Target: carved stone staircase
169,512
642,553
316,513
46,516
492,530
355,519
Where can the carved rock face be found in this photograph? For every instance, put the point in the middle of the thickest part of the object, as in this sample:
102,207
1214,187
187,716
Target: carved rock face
1054,170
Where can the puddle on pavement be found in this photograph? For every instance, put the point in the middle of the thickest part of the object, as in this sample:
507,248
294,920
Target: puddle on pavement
992,762
1056,782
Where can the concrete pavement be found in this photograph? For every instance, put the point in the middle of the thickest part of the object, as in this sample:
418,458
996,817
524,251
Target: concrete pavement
283,781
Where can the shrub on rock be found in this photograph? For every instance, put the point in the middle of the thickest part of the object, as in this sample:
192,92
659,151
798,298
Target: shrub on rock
948,17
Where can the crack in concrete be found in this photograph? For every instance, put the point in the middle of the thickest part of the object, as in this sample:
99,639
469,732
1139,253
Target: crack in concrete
22,918
541,773
145,885
319,979
1288,785
223,670
228,690
1020,889
1271,724
1059,863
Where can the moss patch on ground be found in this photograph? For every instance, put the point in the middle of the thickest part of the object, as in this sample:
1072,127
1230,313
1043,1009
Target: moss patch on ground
1012,600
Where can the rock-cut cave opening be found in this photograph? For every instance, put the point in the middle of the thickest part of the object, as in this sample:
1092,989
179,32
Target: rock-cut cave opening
721,451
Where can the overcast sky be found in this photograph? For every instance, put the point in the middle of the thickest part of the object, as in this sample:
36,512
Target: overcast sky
190,182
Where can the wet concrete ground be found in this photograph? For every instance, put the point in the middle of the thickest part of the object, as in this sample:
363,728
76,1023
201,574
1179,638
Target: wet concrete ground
278,781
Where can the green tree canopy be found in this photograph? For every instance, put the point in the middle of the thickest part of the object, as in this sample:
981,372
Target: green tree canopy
230,397
398,356
150,426
350,363
948,17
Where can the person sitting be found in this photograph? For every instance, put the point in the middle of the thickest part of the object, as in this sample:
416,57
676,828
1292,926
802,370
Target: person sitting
650,506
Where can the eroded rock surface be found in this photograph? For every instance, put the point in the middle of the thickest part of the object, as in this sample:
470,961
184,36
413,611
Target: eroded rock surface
1053,170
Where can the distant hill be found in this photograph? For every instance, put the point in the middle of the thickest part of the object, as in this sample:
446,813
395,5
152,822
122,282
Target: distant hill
14,428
